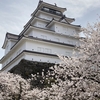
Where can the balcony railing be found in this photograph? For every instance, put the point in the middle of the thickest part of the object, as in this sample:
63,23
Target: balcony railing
52,11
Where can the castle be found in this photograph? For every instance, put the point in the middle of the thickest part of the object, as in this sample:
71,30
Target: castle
48,33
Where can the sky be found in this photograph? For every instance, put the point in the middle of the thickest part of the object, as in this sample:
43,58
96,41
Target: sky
14,14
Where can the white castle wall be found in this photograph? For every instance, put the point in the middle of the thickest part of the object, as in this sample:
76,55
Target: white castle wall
54,36
38,46
15,52
47,16
46,47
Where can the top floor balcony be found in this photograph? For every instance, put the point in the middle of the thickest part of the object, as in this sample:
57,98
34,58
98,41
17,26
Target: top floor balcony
52,11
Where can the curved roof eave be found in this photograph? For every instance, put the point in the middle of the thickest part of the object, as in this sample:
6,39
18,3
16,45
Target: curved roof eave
53,20
9,37
41,4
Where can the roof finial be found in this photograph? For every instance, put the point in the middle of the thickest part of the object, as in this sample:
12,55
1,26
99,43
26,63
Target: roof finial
55,4
40,1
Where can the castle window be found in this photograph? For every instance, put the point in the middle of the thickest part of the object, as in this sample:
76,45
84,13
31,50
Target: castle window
47,50
58,12
44,37
57,39
40,49
46,9
51,11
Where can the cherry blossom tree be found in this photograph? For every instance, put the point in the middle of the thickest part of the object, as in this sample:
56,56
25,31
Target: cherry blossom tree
78,78
14,87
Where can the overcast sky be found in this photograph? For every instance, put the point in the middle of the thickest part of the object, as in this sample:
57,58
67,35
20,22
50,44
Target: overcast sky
14,14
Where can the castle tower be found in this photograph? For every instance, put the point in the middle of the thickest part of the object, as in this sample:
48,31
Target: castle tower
47,33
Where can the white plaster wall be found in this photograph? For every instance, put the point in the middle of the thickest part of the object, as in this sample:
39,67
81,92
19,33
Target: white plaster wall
10,43
53,37
52,27
30,34
41,58
47,47
64,29
14,63
41,24
13,43
15,52
8,46
47,16
34,24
